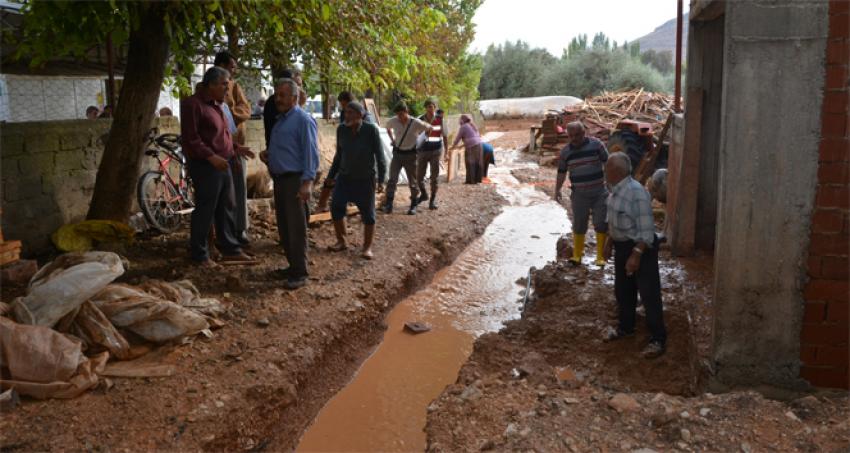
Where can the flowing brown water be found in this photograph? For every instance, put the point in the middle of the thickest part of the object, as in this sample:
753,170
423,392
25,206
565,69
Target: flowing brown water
384,407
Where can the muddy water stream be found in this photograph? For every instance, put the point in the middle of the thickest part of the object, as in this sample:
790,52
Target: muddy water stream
384,407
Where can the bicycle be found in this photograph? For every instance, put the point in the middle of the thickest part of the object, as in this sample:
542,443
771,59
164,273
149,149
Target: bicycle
165,198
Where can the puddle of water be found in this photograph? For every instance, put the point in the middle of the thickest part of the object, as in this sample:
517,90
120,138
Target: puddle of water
384,407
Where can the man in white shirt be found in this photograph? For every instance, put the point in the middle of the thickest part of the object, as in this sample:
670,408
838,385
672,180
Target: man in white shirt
403,130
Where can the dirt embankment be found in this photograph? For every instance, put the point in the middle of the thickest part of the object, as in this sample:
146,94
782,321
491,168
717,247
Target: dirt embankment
262,378
547,382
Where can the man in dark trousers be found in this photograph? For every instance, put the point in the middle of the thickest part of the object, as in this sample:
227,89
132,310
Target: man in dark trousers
211,151
293,159
240,112
428,155
631,229
359,168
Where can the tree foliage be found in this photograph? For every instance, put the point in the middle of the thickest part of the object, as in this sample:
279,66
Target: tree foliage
513,70
362,45
584,69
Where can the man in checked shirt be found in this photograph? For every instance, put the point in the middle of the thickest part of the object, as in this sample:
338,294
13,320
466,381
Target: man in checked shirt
631,230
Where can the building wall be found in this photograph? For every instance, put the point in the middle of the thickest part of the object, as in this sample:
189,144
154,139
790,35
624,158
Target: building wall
42,98
771,121
824,335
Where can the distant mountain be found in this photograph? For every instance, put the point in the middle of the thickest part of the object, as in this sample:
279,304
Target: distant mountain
664,37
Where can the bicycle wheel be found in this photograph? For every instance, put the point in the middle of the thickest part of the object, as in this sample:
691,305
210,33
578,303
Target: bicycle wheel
159,201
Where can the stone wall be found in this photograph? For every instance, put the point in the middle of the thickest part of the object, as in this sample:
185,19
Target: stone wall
48,171
824,350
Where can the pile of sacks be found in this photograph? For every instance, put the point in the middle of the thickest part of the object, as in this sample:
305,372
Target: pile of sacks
74,319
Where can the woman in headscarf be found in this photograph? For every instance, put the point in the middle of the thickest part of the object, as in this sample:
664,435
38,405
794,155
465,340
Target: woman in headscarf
473,155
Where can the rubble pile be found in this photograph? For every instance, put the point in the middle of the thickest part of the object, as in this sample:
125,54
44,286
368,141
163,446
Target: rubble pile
600,114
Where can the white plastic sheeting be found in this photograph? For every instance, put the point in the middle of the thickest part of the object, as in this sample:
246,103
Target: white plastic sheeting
525,107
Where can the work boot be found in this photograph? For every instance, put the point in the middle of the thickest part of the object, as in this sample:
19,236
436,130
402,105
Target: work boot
578,249
432,205
600,249
423,196
412,210
388,206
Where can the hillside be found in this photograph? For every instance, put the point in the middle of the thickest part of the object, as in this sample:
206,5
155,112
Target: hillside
664,37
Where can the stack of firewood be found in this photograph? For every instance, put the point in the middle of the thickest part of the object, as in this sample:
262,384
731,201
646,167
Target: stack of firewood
600,114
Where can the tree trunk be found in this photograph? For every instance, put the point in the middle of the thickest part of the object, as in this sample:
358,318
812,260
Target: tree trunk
147,55
326,98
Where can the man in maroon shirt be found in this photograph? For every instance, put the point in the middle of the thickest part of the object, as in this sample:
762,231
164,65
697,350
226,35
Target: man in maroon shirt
209,146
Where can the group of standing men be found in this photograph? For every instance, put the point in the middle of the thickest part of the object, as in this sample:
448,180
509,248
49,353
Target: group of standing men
623,222
212,129
213,137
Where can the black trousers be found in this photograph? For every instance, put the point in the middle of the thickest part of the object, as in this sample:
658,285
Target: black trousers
292,214
214,203
645,281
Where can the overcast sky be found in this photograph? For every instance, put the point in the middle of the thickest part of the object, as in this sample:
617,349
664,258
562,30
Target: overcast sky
551,24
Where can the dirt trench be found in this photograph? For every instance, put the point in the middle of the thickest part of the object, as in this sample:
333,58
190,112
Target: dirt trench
263,377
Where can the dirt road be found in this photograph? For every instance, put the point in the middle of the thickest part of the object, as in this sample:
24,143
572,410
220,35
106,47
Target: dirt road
263,376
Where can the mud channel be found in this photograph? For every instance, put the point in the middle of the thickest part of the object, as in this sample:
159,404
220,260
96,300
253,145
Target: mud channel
384,407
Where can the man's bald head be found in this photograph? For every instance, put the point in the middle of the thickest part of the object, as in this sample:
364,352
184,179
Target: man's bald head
576,132
617,168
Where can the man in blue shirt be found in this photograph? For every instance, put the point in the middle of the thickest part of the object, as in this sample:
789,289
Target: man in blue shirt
293,159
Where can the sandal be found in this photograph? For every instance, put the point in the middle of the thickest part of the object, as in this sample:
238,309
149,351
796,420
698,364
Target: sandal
239,258
338,247
367,254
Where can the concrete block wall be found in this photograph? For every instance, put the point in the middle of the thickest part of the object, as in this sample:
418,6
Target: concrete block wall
824,336
48,171
256,140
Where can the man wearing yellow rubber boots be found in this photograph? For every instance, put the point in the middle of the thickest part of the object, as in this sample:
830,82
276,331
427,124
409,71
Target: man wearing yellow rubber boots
584,158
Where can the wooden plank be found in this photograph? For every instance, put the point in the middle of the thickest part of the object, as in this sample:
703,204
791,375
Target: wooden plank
686,190
326,216
453,166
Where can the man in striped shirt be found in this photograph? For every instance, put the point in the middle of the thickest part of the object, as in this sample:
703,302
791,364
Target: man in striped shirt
584,158
632,236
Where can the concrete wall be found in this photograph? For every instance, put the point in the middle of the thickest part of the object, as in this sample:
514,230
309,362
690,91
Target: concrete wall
771,121
256,140
48,171
824,336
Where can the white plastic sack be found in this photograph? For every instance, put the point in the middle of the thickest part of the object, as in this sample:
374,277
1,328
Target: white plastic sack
146,315
525,107
185,294
62,285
